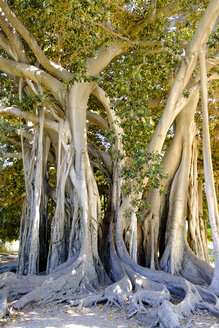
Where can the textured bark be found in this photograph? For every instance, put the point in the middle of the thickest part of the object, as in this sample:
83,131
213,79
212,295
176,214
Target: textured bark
208,171
177,257
197,232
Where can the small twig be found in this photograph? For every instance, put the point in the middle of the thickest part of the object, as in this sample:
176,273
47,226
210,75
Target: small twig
125,10
115,33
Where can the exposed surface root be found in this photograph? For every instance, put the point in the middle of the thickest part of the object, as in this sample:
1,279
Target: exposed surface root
19,285
195,269
116,294
137,295
144,293
3,304
60,286
10,267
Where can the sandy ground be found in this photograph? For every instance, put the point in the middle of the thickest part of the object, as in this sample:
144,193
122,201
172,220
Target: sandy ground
96,317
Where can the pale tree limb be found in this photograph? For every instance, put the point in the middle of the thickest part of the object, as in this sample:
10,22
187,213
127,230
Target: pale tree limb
50,66
13,111
38,76
5,44
98,120
11,155
14,39
200,37
55,110
208,173
26,134
104,56
210,64
101,155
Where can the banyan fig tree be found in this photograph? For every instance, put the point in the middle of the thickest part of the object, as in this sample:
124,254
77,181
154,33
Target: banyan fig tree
106,104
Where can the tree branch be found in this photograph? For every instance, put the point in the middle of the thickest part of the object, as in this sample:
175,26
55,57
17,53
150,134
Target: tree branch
210,63
153,51
188,65
154,14
11,155
125,10
208,172
101,156
98,120
5,44
115,34
50,66
13,111
38,76
14,39
104,56
99,93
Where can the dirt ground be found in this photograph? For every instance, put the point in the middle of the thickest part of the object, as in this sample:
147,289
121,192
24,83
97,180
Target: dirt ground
96,317
62,315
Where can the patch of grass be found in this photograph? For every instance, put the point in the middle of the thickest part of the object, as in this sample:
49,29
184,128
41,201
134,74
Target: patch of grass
6,252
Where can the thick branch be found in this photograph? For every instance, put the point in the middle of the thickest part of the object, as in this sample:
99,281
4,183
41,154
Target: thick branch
171,110
5,44
98,120
36,75
51,67
101,156
12,111
104,56
14,39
